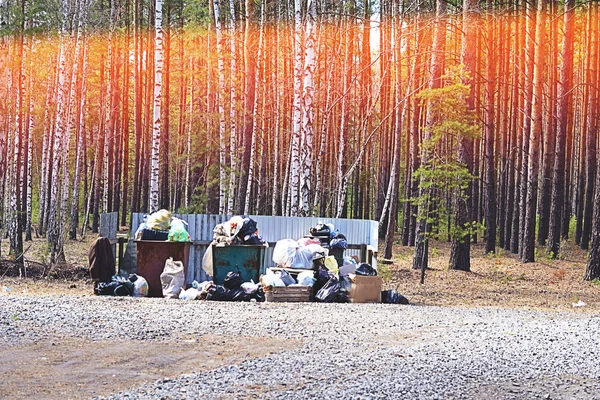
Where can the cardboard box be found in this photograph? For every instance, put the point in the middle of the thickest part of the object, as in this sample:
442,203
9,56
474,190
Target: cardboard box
366,289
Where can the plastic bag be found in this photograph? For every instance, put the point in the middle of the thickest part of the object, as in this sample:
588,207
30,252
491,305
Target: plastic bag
306,278
140,285
140,229
159,220
307,241
322,229
190,294
172,278
232,280
250,287
329,292
331,264
177,231
289,254
118,286
393,297
338,243
365,270
286,278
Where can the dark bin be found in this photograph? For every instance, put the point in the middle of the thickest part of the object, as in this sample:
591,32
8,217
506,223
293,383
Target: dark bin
151,257
245,259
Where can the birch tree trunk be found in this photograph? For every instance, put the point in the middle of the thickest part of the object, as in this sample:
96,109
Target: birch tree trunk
156,131
221,105
249,95
232,109
248,198
54,228
29,189
46,146
80,149
307,110
297,112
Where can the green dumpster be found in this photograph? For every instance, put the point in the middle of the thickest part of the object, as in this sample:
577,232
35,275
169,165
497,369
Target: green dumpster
245,259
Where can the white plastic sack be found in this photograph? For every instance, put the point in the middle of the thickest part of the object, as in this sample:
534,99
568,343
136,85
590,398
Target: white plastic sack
306,278
172,278
250,287
140,287
190,294
289,254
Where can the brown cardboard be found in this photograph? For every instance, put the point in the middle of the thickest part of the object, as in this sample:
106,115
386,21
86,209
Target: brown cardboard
366,289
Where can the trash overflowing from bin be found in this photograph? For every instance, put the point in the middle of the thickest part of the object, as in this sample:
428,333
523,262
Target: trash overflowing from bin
310,268
162,226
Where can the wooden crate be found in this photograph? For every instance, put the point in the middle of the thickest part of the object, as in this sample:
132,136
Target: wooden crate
289,294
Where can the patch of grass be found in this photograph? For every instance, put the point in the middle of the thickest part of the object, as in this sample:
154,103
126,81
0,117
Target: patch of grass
385,272
515,278
596,282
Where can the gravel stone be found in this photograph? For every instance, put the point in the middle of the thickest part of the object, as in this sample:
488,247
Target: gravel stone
346,351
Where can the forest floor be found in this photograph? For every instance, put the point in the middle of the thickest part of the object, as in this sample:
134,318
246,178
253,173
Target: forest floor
499,280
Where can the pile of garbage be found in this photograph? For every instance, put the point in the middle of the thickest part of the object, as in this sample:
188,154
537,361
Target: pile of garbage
161,225
237,231
133,285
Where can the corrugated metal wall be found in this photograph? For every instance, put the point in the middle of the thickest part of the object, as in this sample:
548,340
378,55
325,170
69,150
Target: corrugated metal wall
272,229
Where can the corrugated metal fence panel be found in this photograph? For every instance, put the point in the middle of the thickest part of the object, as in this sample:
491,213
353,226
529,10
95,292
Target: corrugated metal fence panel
109,225
271,228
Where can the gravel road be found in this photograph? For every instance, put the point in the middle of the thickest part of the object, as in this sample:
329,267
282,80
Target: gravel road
333,351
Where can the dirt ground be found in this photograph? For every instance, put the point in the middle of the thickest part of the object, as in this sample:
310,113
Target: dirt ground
499,280
75,368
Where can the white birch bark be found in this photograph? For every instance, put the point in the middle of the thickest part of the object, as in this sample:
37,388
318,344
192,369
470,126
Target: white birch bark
30,126
188,148
61,118
156,131
276,145
307,109
72,117
221,105
15,238
80,149
297,112
255,110
343,181
232,109
46,143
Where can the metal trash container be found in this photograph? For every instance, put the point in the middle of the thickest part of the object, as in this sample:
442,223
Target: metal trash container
246,259
151,258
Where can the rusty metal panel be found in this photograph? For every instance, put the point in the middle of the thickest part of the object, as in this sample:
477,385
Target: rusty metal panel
151,258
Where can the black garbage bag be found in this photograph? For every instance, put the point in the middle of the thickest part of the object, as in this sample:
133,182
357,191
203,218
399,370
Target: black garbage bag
320,230
393,297
118,286
344,293
365,270
221,293
233,280
330,291
259,295
248,230
323,275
